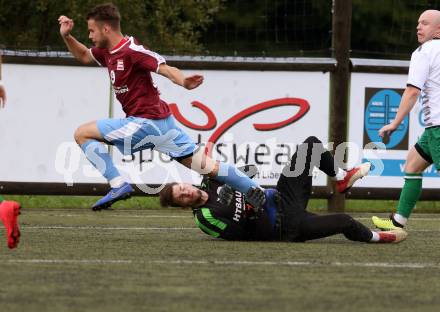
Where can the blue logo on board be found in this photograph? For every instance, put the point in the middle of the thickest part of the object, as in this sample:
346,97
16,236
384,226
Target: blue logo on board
381,109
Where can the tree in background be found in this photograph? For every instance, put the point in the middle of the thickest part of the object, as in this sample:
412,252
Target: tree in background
382,29
386,28
166,25
271,27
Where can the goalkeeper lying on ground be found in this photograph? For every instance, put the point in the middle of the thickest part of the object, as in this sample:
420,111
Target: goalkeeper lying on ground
222,212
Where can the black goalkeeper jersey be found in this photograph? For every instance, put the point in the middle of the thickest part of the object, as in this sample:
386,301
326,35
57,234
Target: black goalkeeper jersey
238,221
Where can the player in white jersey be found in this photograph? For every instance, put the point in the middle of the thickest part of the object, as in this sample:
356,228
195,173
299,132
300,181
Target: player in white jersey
424,80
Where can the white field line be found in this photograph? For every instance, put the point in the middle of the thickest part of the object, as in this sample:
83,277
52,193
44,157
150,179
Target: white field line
133,228
416,265
115,215
104,214
60,227
67,261
414,219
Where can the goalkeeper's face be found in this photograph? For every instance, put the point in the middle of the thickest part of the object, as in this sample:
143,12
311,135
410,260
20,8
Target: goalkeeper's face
187,195
428,26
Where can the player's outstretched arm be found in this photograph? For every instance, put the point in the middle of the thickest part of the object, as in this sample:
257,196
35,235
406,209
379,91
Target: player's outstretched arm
175,75
409,98
2,96
78,50
2,88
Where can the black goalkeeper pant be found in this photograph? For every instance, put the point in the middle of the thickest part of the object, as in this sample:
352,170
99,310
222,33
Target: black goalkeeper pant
295,185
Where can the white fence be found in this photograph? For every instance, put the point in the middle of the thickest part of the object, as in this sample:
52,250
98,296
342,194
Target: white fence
251,116
46,104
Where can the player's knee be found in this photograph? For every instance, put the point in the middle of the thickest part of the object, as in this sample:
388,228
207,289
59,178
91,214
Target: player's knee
407,168
415,163
79,136
412,167
346,220
202,164
312,139
212,174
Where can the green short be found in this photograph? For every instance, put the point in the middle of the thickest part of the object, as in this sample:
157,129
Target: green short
428,146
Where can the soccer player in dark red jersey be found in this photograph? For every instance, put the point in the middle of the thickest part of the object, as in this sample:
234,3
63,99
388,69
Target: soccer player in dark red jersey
148,123
9,210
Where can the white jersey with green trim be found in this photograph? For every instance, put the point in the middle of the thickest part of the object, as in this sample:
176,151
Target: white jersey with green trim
424,74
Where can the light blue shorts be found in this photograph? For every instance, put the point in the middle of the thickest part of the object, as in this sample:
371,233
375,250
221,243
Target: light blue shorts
133,134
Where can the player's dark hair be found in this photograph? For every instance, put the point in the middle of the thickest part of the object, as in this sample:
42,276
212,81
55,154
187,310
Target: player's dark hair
106,13
166,195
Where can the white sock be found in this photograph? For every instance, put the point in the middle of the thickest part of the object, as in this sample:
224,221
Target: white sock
400,219
340,175
116,182
375,238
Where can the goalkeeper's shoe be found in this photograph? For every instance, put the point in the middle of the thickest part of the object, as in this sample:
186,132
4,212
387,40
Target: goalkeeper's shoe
352,176
386,224
9,211
393,236
115,194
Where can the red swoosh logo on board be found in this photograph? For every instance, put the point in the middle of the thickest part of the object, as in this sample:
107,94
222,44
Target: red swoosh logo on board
210,124
303,105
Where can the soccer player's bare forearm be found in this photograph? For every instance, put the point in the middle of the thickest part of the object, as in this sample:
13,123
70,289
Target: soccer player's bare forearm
409,98
78,50
0,67
172,73
176,76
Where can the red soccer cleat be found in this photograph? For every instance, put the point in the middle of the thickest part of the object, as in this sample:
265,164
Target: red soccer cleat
9,211
352,176
393,236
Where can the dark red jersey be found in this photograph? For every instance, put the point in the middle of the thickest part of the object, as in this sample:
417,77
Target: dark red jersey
129,66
